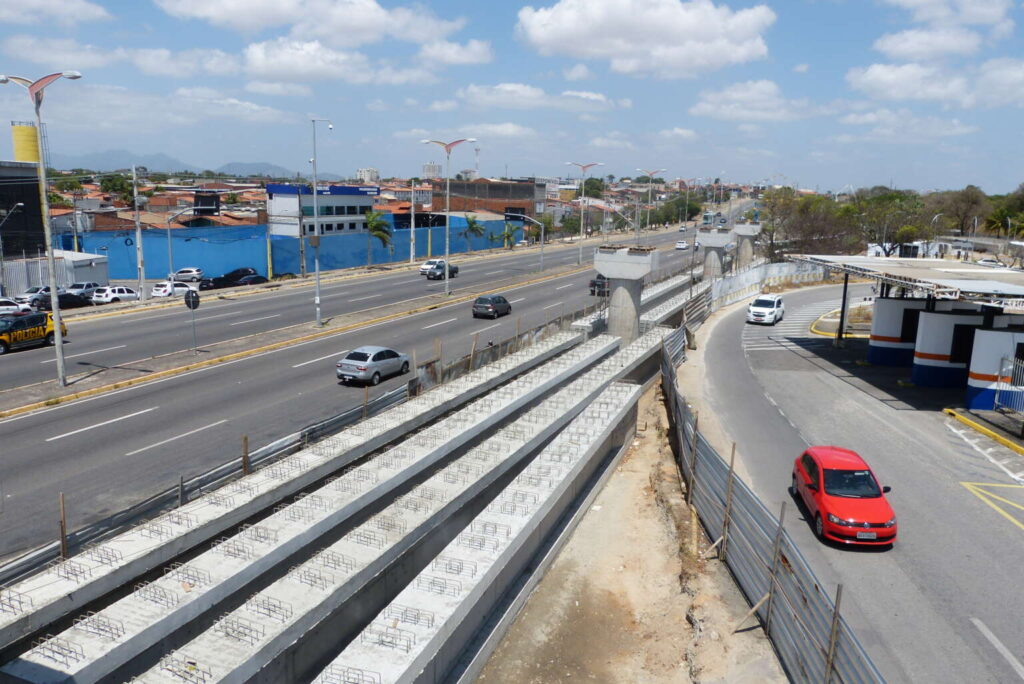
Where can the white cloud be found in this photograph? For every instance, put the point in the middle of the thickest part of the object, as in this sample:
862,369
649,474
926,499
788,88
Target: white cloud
577,72
1000,82
377,105
523,96
281,89
664,38
443,105
411,102
909,82
614,140
802,68
497,130
47,11
751,101
750,129
962,12
924,44
163,62
444,52
902,126
289,60
241,15
412,133
678,133
57,53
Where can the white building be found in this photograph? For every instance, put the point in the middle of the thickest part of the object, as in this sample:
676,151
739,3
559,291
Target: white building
342,208
432,170
368,175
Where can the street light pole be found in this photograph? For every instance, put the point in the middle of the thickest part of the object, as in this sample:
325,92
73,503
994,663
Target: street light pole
524,217
650,188
447,147
412,221
3,278
35,93
584,168
316,227
170,251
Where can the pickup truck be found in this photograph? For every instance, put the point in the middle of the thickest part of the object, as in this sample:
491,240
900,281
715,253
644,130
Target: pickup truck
599,286
437,272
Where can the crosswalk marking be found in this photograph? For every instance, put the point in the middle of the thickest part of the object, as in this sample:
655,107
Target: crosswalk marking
791,334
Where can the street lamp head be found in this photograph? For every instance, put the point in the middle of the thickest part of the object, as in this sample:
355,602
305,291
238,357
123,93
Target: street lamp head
4,79
18,205
426,142
470,140
330,126
73,75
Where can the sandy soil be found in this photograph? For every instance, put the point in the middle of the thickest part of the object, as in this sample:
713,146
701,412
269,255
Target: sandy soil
627,600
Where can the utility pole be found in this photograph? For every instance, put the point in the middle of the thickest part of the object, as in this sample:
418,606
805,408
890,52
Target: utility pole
412,221
140,263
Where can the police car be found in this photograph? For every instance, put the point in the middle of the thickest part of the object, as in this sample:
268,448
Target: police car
27,330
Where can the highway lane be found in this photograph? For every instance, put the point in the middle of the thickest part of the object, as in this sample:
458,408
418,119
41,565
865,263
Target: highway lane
130,339
935,606
111,451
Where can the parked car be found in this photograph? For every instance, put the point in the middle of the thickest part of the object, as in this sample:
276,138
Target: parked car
766,309
191,274
27,330
206,284
231,278
599,286
491,306
254,279
429,265
723,221
31,293
438,272
370,364
990,261
65,299
82,289
169,289
842,497
9,306
682,244
106,295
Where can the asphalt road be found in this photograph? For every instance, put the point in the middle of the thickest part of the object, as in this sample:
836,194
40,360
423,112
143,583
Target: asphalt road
944,604
108,452
97,344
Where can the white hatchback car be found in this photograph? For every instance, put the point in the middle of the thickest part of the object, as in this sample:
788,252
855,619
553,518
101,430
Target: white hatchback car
682,244
8,306
766,309
169,289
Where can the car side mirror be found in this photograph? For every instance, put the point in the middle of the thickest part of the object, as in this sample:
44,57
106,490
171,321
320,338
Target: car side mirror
886,489
812,487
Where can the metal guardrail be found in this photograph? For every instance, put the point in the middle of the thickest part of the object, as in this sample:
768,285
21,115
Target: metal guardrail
813,641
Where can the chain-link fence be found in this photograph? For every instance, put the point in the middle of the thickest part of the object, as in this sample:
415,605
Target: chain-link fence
812,639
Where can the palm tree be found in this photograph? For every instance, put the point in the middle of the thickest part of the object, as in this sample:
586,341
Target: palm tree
376,227
508,236
473,229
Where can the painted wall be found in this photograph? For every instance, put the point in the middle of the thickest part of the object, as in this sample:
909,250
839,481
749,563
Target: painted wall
932,364
990,348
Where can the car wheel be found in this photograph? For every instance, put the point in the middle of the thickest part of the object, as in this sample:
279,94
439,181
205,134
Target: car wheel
405,368
115,299
819,527
3,348
50,340
375,380
195,279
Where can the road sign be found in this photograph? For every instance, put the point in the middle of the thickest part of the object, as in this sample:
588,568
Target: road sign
192,299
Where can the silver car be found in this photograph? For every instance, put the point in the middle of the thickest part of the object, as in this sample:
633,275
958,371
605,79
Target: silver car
370,364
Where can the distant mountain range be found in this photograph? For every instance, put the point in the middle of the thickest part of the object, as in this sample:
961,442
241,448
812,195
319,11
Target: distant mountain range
119,160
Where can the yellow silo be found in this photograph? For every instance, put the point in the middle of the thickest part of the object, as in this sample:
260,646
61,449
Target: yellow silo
26,144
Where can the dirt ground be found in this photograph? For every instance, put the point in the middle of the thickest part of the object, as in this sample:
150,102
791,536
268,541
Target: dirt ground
627,600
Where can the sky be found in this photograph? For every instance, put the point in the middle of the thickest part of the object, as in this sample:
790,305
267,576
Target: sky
921,94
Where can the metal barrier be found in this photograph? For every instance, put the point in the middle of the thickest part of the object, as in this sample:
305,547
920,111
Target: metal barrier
1010,386
812,639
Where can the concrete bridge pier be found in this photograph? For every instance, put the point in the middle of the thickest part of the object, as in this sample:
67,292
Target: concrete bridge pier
625,268
719,245
746,234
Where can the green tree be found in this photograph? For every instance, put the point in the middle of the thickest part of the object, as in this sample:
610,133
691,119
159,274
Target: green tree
473,229
57,202
593,187
115,184
231,198
961,206
376,227
571,225
67,185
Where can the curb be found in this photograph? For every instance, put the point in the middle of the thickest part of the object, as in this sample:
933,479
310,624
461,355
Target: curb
815,331
170,372
991,434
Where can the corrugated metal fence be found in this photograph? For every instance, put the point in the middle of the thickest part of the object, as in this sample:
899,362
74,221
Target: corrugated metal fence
810,635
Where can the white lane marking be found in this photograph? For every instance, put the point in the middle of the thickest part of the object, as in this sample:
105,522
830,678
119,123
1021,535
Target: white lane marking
95,351
962,434
106,422
319,358
483,329
551,306
184,434
359,299
516,301
253,320
1003,651
434,325
500,270
562,287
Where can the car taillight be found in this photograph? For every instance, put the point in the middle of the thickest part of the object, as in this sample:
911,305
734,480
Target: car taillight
338,364
362,368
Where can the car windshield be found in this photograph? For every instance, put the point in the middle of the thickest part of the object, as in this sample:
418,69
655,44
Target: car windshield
763,303
854,484
357,356
483,300
5,324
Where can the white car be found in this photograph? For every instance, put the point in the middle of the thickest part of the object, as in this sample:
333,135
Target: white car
766,309
9,306
169,289
32,294
106,295
84,289
192,273
989,261
430,265
682,244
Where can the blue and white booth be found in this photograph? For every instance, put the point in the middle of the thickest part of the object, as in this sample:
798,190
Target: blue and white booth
993,351
943,347
895,327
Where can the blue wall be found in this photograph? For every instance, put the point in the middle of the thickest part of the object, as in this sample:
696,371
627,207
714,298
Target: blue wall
219,250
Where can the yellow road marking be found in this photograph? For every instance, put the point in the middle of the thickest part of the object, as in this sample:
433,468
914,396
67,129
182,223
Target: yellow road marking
976,488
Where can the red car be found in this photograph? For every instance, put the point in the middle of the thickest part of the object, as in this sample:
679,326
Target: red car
843,497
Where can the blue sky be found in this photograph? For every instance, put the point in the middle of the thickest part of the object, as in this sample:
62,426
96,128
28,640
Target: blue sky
924,94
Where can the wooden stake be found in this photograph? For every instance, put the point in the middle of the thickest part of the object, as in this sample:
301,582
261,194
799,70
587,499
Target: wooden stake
181,491
728,502
833,636
63,530
692,475
750,612
366,399
774,567
246,469
694,524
